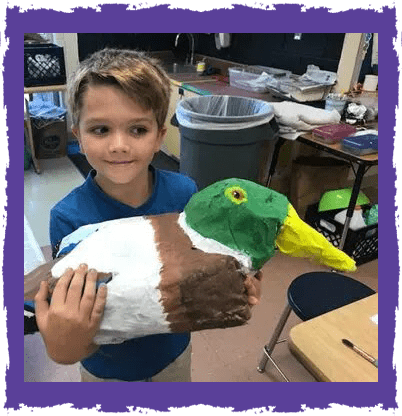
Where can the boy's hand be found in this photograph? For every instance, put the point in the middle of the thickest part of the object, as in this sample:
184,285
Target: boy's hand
253,287
69,324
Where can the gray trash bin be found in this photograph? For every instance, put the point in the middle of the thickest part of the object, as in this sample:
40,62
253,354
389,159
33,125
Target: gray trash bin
223,137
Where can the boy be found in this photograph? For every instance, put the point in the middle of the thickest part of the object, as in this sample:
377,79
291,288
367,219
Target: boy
118,101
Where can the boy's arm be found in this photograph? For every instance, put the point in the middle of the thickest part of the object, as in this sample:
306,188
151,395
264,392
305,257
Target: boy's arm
68,325
59,227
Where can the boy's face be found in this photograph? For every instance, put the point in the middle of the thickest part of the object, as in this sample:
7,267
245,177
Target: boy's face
118,137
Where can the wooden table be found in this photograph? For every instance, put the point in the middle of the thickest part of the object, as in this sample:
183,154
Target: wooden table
336,149
317,343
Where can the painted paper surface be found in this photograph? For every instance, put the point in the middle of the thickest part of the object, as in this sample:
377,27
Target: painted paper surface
184,16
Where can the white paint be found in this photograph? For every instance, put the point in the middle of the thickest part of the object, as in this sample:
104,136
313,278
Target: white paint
211,246
127,249
78,235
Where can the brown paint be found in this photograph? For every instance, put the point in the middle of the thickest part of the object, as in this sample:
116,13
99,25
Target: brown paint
198,290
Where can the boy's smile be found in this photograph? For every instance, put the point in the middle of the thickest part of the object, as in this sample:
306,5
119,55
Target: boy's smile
119,139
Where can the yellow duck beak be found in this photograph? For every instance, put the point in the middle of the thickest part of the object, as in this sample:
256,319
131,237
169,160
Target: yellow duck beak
298,239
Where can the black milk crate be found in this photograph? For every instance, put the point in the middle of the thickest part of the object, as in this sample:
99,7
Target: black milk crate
361,245
43,65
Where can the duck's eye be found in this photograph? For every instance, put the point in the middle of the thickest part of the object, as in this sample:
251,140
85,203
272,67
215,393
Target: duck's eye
236,194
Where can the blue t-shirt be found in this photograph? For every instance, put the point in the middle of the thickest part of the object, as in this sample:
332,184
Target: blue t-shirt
138,358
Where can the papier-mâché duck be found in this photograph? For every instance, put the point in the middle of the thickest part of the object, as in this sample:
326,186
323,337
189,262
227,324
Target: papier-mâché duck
185,272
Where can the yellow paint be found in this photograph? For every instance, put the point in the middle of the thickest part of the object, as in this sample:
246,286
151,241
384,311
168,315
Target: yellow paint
298,239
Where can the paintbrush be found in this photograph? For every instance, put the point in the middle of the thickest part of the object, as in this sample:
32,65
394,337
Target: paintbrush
364,354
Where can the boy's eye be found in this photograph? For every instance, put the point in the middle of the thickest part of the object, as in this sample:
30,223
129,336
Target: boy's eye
103,130
139,131
100,130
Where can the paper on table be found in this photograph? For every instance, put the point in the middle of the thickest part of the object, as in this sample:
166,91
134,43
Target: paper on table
374,318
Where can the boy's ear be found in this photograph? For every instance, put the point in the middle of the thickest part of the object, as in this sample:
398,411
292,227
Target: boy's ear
163,132
76,133
162,135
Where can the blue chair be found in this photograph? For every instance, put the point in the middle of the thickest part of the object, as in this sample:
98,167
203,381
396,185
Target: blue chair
310,295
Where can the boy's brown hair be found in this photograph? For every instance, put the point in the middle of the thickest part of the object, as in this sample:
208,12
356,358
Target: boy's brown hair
137,74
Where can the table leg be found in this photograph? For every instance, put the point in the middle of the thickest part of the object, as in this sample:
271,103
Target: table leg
352,203
35,161
31,143
274,160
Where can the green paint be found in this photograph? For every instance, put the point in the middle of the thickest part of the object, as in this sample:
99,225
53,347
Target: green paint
249,226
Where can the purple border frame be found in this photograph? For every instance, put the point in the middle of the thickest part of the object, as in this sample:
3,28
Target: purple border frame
239,396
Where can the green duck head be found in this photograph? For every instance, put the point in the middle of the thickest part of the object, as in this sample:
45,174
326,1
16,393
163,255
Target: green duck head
254,220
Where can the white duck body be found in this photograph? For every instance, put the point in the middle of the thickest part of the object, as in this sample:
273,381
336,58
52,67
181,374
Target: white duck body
129,250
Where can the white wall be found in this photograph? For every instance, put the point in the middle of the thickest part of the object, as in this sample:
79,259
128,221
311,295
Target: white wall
69,43
353,53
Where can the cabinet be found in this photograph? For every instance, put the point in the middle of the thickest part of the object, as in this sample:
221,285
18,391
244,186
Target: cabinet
171,145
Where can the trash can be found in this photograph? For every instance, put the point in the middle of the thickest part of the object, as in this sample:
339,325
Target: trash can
223,137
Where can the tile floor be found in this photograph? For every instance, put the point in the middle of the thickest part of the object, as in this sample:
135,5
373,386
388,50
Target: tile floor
231,354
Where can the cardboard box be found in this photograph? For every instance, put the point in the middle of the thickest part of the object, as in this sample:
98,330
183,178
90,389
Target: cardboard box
51,140
312,176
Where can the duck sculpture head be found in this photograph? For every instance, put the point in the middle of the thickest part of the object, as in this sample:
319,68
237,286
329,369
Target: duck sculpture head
255,220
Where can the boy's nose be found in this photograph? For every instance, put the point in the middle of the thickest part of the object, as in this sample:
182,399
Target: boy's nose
119,142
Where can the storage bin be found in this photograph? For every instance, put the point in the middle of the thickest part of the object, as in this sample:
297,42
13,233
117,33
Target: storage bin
360,145
250,79
333,133
43,65
361,245
51,140
276,72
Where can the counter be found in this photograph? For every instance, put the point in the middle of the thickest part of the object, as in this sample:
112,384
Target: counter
216,85
213,84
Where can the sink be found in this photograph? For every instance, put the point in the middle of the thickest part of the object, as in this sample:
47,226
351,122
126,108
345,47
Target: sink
179,68
184,73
